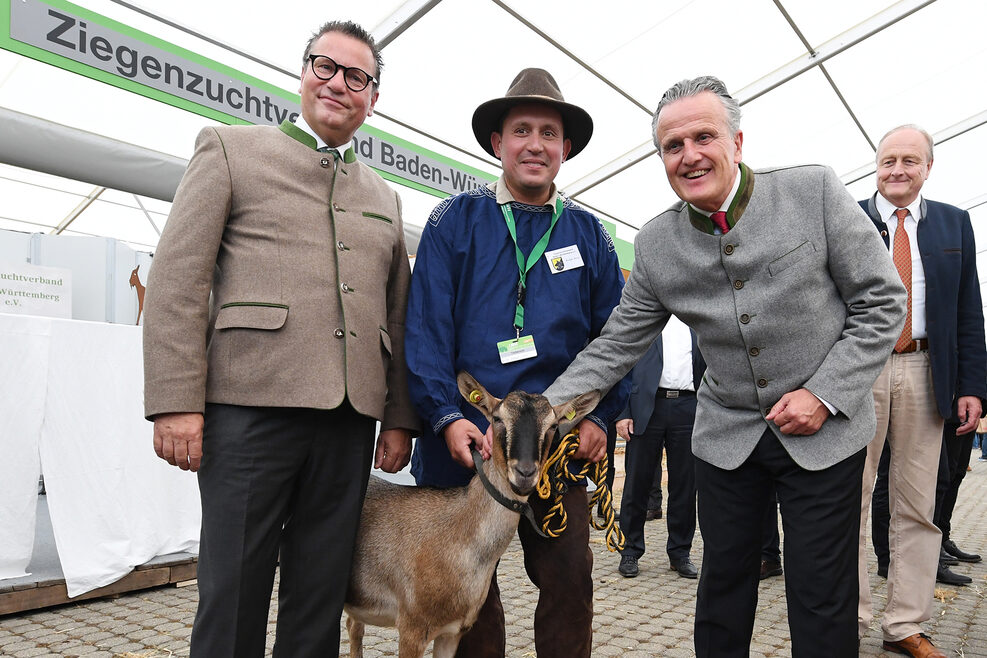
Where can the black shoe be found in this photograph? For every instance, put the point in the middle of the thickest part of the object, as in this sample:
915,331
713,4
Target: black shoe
947,577
628,566
950,547
685,567
882,570
652,514
770,568
947,559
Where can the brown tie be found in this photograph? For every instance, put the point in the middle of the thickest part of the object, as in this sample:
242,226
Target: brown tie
720,219
902,256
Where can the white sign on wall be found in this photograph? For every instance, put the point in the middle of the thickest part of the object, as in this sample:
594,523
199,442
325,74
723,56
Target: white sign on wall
35,290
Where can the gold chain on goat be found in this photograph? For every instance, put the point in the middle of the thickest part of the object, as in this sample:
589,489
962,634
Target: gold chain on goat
554,482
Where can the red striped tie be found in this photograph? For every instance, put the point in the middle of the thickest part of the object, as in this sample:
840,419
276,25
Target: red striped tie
720,219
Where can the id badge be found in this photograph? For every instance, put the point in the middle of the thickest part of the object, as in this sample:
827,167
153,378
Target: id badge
564,259
517,349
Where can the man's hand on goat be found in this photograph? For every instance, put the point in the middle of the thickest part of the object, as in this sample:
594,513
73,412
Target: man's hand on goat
592,441
178,439
459,436
393,450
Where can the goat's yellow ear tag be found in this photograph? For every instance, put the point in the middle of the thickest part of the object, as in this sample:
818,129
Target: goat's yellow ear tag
570,414
475,396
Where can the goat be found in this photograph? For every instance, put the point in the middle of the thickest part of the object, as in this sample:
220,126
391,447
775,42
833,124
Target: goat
135,282
424,557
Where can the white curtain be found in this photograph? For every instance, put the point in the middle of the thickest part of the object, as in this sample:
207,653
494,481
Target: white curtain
113,503
23,368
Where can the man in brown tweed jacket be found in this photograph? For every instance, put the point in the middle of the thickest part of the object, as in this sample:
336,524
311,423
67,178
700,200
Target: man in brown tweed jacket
273,341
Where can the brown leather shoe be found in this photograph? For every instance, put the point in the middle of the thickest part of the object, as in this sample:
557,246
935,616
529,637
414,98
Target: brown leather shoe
917,645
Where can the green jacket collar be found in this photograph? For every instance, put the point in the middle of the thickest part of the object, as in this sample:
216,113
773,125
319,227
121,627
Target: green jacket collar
736,208
299,135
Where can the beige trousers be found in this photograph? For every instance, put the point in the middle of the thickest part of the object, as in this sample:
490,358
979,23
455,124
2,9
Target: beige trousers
908,420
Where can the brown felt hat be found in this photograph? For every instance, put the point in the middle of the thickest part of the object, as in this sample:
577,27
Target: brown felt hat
533,86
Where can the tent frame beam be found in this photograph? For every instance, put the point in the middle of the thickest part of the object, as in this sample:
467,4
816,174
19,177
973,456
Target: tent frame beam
814,57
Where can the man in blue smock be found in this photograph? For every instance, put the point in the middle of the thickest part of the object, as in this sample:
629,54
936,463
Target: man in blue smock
511,280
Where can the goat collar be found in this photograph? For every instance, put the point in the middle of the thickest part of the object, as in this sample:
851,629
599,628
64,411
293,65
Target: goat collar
519,506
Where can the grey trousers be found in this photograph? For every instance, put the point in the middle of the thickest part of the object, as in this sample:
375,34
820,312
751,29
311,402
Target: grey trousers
277,481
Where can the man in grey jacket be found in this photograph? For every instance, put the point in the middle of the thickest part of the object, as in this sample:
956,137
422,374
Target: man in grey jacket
797,308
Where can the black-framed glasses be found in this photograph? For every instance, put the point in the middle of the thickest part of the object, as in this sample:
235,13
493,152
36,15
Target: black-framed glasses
325,68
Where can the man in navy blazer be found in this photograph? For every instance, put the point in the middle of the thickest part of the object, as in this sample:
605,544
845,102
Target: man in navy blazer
661,412
940,357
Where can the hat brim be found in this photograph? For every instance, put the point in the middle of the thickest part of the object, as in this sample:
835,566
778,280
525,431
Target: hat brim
578,125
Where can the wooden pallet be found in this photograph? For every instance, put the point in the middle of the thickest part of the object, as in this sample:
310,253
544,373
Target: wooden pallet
32,596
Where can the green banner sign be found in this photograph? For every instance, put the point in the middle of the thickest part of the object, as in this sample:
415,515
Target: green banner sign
76,39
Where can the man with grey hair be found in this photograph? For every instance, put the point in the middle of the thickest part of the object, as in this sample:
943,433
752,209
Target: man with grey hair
796,308
937,371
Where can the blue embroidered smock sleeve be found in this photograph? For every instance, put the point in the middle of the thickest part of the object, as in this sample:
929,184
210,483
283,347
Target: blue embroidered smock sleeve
433,379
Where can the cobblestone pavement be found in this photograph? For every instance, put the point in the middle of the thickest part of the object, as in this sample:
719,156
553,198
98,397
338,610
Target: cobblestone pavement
650,615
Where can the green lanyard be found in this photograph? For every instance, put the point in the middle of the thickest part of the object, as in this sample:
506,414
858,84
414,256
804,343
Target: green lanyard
536,253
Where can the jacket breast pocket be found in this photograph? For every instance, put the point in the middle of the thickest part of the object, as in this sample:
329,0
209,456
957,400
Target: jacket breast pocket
797,255
378,216
252,315
374,234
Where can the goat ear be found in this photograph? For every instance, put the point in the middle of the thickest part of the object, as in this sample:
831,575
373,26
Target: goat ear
475,394
570,413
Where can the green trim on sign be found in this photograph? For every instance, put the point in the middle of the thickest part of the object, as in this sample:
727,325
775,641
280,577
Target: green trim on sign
386,175
625,253
438,157
126,84
152,40
624,249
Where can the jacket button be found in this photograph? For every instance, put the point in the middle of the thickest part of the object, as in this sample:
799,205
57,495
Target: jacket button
338,333
762,382
744,318
325,162
345,287
738,284
728,249
884,234
754,351
340,245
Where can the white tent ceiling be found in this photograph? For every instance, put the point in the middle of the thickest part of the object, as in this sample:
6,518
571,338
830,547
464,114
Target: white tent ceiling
819,82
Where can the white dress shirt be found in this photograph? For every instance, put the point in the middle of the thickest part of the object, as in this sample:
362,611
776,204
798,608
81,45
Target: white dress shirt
676,352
